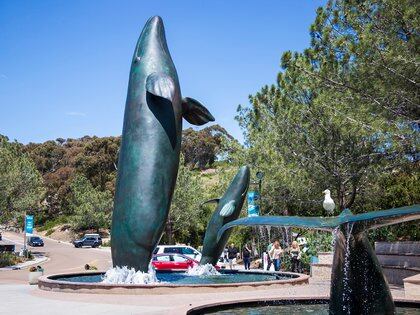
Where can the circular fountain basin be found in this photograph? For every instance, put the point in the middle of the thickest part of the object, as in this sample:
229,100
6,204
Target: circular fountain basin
173,282
318,306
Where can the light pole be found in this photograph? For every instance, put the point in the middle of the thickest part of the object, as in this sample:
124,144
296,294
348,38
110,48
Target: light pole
24,234
260,176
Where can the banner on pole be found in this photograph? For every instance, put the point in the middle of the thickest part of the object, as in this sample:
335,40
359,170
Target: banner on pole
253,204
29,224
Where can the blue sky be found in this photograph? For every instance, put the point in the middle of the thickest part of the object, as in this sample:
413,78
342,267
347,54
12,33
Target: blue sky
64,65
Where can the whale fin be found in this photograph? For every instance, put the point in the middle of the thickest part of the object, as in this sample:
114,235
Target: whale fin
160,84
228,209
216,200
194,112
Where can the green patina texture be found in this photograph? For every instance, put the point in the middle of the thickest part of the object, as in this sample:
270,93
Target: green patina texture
150,147
234,196
358,285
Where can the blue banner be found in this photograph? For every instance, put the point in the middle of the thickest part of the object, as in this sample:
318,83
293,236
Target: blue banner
29,224
253,204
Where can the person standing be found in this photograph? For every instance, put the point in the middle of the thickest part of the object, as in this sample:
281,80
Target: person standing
246,255
232,254
225,255
276,253
295,256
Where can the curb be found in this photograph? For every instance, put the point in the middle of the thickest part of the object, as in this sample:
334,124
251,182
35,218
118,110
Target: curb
53,283
25,265
101,248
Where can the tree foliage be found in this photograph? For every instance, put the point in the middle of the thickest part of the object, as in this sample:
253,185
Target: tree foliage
59,161
343,115
185,222
21,187
201,148
91,207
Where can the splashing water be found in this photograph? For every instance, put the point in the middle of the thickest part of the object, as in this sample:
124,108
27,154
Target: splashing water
268,227
202,270
346,279
125,275
286,236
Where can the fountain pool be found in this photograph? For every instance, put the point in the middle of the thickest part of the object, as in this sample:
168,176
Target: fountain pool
289,307
172,282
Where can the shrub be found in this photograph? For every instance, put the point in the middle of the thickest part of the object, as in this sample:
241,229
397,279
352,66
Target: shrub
28,254
8,259
50,224
107,243
49,232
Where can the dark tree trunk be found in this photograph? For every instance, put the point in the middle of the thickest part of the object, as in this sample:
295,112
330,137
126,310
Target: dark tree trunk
169,231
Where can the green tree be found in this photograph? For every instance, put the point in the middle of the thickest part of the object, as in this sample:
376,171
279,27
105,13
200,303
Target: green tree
201,148
344,113
98,161
91,207
21,187
59,161
367,52
186,221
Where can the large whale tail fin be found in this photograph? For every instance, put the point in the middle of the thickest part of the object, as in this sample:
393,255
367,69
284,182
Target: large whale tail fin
376,219
361,222
358,285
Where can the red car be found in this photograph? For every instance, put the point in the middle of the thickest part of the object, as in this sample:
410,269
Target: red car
173,262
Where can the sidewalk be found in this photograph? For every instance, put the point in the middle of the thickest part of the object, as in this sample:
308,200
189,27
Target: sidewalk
30,299
38,260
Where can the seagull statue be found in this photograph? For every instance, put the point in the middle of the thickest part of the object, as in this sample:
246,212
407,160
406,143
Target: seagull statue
328,203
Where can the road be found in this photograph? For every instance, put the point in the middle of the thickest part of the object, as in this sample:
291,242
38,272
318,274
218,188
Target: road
63,258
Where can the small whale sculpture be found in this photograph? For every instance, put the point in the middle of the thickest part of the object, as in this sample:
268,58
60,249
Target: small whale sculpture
358,285
228,209
150,148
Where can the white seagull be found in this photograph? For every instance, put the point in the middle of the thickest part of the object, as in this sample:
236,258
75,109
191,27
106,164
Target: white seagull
328,203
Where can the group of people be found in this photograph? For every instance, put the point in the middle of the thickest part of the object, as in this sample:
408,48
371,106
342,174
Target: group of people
231,254
275,255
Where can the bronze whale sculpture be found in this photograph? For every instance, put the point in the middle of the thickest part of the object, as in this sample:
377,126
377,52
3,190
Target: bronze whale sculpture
228,209
150,148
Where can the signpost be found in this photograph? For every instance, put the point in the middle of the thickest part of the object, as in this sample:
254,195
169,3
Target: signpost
28,229
29,224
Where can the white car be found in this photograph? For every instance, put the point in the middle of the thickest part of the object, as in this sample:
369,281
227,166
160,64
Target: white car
178,249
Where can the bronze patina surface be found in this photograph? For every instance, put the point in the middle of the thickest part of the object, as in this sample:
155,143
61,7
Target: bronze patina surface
358,285
228,209
150,147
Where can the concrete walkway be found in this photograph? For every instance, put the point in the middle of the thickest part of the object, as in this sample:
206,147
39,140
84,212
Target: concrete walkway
29,299
63,257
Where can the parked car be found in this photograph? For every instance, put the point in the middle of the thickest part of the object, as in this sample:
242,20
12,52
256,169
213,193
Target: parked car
92,240
173,262
186,250
35,241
